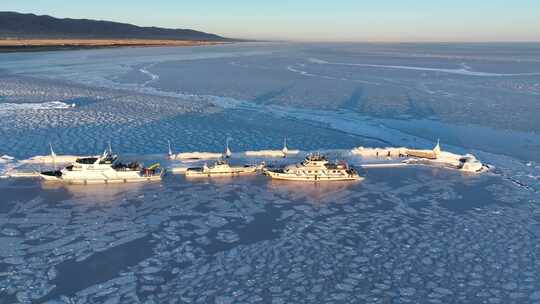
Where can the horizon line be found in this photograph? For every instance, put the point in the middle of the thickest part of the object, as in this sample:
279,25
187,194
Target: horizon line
299,40
391,41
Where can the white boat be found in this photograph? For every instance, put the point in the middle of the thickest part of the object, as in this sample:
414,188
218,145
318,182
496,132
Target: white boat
104,169
434,157
315,168
193,156
52,158
466,163
397,152
6,159
48,159
469,163
372,153
222,168
273,153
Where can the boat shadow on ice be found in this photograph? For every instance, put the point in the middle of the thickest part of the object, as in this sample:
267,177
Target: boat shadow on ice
310,191
96,193
220,180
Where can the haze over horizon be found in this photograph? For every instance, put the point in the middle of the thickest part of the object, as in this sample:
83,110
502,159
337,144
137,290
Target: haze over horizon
303,20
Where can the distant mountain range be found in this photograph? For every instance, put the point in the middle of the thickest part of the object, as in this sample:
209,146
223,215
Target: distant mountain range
30,26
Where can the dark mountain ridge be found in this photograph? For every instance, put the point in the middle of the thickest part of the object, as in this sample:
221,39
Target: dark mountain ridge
15,25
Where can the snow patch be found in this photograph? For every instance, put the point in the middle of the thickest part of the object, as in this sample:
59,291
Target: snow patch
51,105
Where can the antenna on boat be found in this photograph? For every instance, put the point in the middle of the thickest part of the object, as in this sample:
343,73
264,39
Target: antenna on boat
170,149
110,147
228,152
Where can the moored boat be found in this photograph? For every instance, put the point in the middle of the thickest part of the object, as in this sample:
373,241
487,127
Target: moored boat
103,169
284,152
315,167
222,168
196,156
52,158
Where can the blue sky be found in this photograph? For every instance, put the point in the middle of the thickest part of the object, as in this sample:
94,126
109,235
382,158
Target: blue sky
337,20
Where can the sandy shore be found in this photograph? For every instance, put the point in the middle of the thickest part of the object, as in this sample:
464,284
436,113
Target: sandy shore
13,45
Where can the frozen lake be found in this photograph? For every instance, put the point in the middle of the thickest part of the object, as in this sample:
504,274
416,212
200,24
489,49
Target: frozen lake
415,234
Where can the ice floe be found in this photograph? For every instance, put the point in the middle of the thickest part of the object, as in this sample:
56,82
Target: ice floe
51,105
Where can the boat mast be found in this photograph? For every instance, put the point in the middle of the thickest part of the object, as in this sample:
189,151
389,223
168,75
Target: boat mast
285,150
170,149
228,152
53,156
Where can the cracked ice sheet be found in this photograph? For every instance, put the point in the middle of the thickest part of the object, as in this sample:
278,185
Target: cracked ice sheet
381,131
129,119
248,238
258,240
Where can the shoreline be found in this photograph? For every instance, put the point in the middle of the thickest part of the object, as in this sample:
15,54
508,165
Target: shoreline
37,45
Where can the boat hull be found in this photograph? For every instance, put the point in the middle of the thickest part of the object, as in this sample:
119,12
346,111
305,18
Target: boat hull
198,173
46,176
312,178
90,181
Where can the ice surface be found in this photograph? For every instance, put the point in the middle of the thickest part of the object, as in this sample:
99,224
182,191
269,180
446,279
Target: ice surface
153,77
413,234
7,108
463,71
